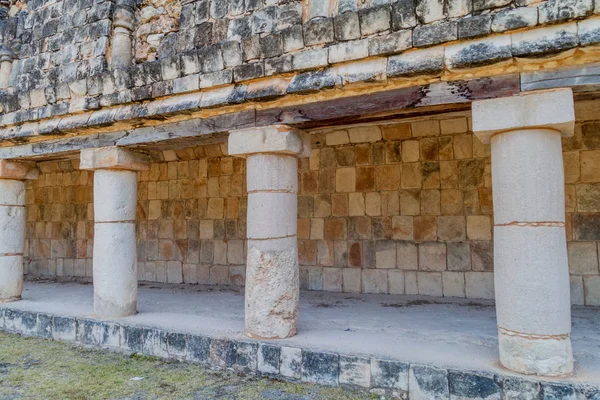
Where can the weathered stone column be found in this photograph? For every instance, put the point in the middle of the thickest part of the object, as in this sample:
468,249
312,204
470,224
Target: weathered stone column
12,226
115,202
272,276
530,251
122,48
6,59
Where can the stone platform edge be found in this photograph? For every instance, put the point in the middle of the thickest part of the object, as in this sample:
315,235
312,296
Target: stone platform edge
381,376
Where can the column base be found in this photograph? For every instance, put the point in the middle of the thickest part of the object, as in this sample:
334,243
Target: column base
536,354
11,299
106,309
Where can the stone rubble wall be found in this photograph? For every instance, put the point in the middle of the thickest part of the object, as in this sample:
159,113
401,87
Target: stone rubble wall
63,47
391,208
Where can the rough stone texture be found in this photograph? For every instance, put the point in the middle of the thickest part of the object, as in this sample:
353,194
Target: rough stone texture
192,209
63,50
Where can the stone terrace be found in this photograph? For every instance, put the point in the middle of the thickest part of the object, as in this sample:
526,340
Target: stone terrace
351,335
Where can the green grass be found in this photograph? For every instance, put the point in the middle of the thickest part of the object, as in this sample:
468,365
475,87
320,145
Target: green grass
32,368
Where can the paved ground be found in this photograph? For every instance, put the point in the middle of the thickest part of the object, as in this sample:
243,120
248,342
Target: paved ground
454,333
38,369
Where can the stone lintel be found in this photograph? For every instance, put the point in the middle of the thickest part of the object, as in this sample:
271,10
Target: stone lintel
18,170
113,158
279,139
548,109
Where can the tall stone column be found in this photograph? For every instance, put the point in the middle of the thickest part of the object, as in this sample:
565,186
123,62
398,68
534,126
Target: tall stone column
531,270
272,276
12,226
115,254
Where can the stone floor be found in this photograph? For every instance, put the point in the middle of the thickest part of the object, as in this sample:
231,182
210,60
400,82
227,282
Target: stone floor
445,332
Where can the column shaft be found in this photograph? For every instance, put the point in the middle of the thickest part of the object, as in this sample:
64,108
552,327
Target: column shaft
115,254
12,238
272,278
532,274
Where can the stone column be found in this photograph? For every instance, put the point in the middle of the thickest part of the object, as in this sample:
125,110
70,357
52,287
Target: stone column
12,226
272,276
122,48
115,254
531,270
6,59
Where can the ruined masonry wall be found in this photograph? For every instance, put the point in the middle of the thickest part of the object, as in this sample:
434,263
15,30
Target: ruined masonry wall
400,208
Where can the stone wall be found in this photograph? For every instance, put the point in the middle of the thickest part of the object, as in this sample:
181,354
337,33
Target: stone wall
61,48
390,208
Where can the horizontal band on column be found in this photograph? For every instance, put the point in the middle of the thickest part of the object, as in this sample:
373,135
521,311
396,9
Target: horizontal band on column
551,224
11,254
12,205
116,222
532,336
274,238
272,191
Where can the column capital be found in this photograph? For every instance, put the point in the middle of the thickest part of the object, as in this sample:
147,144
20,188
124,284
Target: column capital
113,158
18,170
547,109
277,139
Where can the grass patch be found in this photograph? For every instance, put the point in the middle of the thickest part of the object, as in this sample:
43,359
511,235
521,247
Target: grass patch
32,368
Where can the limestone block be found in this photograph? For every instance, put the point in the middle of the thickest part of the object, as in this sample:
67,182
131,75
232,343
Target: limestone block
272,215
11,284
521,193
18,170
477,53
278,173
459,256
12,229
115,275
374,281
430,283
583,258
428,383
395,282
355,371
291,362
550,109
577,291
407,254
540,249
352,280
479,227
320,368
451,228
548,356
389,374
592,290
402,228
453,284
116,193
113,158
270,139
590,165
268,361
479,285
272,288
